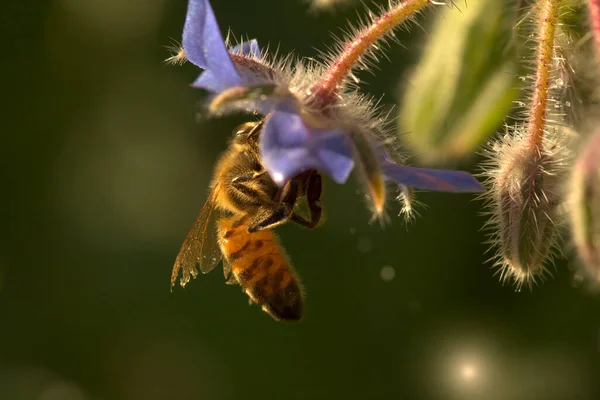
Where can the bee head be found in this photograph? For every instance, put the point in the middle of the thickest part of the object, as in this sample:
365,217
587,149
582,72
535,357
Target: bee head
247,134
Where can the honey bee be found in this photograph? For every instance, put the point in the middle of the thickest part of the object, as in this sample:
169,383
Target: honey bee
236,225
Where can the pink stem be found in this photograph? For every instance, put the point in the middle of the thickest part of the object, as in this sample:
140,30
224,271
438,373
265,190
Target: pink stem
594,9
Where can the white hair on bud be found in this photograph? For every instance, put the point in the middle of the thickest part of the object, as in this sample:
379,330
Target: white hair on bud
524,198
406,197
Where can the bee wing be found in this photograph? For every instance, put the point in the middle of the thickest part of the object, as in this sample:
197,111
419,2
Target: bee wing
201,245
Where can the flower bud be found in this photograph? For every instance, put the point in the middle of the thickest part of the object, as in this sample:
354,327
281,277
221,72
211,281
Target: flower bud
458,95
584,205
525,197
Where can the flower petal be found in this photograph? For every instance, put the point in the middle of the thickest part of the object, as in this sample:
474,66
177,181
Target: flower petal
289,147
247,49
367,158
207,80
439,180
204,46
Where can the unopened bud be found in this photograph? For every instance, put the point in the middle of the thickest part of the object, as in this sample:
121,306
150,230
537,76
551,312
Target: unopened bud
584,205
459,95
525,198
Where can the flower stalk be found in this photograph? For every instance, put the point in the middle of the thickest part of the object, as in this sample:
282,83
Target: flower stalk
594,10
351,54
539,103
527,169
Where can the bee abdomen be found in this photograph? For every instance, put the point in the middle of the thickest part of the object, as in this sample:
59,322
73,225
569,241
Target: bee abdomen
271,283
286,304
261,267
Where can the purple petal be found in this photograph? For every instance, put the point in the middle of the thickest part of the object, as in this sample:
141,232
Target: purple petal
439,180
247,49
204,46
289,147
207,80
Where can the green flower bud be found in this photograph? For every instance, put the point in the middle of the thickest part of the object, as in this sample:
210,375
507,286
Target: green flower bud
525,196
459,94
584,205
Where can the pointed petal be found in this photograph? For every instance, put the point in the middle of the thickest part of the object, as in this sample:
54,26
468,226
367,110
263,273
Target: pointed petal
204,46
369,169
438,180
207,80
247,49
288,147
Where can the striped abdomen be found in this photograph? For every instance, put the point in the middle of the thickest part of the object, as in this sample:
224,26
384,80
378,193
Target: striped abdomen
262,268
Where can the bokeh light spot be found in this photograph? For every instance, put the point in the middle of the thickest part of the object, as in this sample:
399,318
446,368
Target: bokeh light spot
468,372
364,244
387,273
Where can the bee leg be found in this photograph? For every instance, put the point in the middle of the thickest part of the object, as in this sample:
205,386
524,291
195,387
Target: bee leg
230,278
300,220
313,198
270,218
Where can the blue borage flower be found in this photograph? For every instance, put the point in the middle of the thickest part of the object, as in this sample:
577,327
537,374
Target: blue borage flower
303,131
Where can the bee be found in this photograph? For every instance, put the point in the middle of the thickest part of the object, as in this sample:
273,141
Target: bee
236,225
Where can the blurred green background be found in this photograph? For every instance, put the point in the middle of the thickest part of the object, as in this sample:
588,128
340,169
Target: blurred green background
105,167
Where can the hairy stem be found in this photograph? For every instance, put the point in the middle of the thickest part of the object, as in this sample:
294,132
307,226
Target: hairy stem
539,103
339,69
594,10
